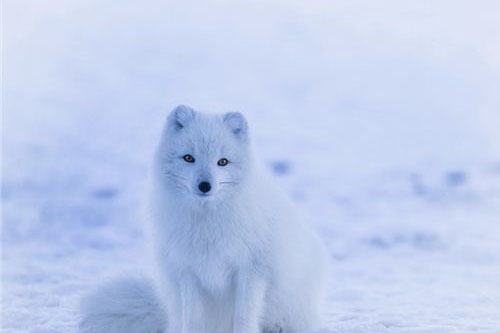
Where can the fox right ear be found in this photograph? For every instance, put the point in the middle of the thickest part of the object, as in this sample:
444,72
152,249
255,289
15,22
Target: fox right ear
180,116
236,123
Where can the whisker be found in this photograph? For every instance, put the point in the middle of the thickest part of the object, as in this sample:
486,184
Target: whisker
168,173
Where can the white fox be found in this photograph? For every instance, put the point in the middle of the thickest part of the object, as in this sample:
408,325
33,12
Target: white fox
232,254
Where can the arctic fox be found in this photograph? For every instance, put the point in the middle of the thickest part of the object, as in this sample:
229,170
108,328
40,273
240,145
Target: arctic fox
232,253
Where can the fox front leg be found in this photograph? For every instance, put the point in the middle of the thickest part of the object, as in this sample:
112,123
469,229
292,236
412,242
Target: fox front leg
250,289
192,306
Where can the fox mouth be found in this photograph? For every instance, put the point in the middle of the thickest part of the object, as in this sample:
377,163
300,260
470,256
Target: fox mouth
204,195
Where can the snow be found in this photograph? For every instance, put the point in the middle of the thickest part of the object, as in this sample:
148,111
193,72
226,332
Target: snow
380,119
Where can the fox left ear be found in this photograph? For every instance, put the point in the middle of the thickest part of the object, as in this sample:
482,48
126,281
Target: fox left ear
236,123
180,116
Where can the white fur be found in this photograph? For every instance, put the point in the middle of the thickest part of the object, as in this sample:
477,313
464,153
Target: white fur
125,305
237,260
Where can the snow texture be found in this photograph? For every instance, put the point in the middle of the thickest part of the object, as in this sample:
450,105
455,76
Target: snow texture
380,119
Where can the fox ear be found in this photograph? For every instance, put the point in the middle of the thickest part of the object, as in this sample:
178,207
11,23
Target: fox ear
236,123
180,116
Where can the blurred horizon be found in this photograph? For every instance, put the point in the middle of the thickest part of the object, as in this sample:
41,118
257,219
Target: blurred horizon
380,82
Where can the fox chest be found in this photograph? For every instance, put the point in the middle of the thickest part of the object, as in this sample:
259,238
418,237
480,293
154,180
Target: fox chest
213,262
215,273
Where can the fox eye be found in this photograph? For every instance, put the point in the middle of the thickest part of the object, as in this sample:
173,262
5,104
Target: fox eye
222,162
188,158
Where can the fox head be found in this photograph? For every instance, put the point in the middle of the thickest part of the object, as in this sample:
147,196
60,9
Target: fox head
203,157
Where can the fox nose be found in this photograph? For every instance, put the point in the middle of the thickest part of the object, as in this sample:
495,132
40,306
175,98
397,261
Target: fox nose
204,187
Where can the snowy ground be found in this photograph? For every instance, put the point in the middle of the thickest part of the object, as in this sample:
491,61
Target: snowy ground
380,118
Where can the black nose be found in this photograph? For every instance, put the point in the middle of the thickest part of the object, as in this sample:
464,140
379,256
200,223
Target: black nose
204,187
